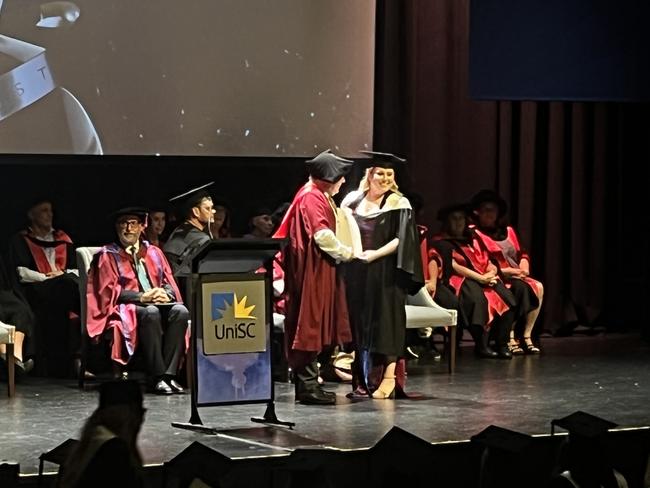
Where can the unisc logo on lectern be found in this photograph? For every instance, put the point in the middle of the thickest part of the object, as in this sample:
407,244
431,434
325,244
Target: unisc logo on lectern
232,318
235,322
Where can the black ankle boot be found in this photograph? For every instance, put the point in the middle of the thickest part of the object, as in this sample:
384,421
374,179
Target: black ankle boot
482,349
504,353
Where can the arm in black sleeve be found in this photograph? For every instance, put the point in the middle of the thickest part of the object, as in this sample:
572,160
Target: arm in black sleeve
130,296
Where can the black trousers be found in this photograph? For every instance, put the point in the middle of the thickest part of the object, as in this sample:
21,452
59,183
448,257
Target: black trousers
161,335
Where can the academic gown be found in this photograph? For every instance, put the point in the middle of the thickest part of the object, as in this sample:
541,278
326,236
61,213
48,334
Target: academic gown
111,272
377,291
315,304
55,301
182,242
471,254
491,244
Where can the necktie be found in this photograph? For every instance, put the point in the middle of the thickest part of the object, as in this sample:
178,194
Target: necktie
141,273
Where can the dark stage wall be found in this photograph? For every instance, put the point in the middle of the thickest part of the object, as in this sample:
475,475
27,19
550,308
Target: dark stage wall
575,174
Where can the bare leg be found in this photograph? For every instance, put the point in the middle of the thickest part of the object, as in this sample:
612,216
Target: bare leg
531,318
386,388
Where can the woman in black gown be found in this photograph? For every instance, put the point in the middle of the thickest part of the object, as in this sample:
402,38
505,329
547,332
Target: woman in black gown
388,268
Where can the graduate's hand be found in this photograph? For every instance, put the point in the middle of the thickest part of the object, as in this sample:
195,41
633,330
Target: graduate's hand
54,274
431,287
368,256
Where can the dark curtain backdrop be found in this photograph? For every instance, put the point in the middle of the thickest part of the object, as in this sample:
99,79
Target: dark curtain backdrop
575,174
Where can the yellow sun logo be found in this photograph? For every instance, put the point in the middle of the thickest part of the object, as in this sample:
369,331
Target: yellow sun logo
241,310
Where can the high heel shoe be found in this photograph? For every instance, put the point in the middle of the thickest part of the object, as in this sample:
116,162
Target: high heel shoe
515,348
386,390
530,347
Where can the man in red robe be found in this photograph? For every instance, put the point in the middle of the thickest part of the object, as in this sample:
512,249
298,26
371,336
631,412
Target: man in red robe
43,260
131,292
316,307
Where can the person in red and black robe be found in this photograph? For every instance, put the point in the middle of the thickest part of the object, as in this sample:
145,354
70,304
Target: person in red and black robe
504,249
315,304
483,298
132,293
44,263
388,269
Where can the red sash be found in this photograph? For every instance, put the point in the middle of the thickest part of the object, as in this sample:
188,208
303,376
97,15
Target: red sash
60,245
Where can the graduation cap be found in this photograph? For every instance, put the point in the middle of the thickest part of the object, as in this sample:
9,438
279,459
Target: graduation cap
139,212
198,461
444,212
401,458
505,458
384,160
120,393
39,199
192,198
583,424
506,440
489,196
329,167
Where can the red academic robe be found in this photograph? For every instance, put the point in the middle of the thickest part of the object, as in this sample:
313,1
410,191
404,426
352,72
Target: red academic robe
111,272
315,303
61,245
475,257
497,255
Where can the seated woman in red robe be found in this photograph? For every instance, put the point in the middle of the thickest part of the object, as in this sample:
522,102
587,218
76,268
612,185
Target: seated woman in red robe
485,301
504,249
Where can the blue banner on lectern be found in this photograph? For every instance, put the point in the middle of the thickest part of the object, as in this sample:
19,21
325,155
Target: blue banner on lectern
233,346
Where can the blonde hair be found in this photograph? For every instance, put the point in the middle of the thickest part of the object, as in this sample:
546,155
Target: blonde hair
364,184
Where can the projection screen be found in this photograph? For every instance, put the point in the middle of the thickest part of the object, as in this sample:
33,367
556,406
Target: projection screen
194,77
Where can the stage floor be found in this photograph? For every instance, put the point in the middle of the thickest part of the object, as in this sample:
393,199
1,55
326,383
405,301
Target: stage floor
606,375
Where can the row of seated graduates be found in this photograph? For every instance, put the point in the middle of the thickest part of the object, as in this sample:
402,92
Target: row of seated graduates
476,265
39,284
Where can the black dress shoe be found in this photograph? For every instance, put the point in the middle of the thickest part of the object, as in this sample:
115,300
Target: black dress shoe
315,397
504,353
485,353
175,386
162,388
24,367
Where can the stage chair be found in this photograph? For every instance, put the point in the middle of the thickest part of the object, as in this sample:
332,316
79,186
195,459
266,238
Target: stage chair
422,311
7,335
84,258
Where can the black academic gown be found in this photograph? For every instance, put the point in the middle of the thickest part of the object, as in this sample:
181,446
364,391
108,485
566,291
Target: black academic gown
377,291
182,243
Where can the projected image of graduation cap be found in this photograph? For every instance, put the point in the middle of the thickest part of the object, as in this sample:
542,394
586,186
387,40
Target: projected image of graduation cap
329,167
185,202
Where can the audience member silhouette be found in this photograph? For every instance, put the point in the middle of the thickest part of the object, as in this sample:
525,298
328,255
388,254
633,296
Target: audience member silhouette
107,455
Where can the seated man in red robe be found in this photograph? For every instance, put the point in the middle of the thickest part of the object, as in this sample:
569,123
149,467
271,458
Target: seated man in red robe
316,307
131,291
43,261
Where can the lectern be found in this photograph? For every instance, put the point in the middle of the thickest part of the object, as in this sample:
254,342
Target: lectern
228,289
